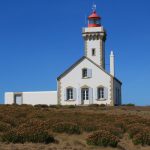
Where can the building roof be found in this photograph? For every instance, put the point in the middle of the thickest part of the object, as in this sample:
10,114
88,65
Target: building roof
94,15
78,62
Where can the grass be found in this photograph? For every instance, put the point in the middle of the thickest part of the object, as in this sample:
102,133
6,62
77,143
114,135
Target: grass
77,123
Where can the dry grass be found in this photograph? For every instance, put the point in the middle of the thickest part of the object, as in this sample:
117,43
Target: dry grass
89,119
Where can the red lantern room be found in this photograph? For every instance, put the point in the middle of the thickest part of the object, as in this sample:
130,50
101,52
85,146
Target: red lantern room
94,19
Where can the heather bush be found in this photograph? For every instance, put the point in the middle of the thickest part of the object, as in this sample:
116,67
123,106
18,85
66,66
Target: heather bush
41,106
64,127
120,123
22,135
71,106
142,137
4,127
35,123
140,133
55,106
19,121
133,129
10,120
89,127
102,105
102,138
113,130
94,105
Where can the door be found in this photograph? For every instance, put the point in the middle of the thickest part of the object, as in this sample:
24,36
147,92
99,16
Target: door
84,95
18,99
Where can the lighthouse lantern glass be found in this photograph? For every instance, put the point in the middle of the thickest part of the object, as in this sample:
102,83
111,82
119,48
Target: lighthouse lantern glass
94,21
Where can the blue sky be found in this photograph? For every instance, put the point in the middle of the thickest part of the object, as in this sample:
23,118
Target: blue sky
39,39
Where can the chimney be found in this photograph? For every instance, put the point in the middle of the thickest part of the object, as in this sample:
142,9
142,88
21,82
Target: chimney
112,64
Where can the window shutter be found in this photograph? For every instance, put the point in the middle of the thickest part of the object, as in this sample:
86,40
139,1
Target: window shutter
74,94
96,94
89,73
79,96
91,95
65,94
105,92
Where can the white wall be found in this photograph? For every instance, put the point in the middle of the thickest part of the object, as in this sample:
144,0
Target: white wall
96,45
33,98
74,79
9,98
92,42
94,29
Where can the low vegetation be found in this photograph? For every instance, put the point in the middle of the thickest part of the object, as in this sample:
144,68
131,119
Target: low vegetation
103,126
64,127
102,138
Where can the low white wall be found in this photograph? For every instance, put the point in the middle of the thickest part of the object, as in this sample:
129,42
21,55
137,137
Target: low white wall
33,98
9,98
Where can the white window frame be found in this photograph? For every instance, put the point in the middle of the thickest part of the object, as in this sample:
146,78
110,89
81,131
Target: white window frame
69,93
100,93
84,73
87,74
85,93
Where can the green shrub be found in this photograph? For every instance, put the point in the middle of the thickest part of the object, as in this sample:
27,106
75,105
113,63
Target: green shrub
35,123
102,105
102,138
142,137
113,130
10,120
129,104
71,106
23,135
88,127
4,127
140,133
93,105
64,127
135,128
55,106
120,124
41,106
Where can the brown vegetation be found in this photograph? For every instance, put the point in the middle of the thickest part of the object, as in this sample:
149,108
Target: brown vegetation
93,125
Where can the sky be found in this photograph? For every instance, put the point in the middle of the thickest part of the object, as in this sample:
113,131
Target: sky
39,39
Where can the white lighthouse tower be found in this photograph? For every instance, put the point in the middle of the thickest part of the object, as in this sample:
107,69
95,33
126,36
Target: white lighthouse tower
94,39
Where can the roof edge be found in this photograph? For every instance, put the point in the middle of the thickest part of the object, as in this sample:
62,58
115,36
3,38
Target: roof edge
70,68
80,60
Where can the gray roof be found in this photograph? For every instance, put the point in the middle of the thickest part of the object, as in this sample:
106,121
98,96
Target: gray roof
80,60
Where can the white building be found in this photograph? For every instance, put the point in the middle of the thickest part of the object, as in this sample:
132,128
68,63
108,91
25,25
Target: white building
86,81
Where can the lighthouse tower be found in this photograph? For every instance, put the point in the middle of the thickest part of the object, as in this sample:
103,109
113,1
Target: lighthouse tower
94,39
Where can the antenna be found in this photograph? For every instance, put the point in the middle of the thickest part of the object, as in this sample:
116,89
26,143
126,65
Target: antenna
94,7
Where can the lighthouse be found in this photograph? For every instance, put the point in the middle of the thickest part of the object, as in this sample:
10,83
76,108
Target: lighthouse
86,81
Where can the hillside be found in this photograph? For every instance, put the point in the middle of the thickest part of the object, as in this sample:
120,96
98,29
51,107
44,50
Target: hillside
74,128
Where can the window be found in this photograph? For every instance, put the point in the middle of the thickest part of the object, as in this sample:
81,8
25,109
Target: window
100,92
85,94
18,99
69,93
93,52
95,21
84,73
